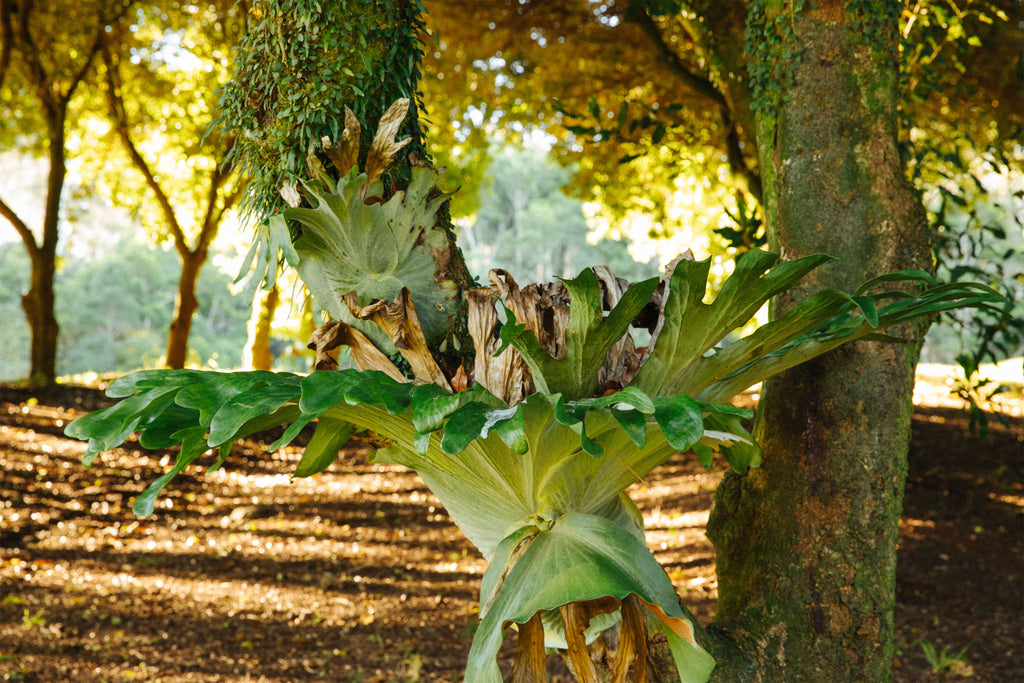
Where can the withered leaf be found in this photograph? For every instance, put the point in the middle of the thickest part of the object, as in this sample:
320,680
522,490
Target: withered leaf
290,194
344,154
365,355
399,321
384,146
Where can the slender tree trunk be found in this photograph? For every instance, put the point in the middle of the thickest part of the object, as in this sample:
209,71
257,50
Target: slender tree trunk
185,306
38,302
806,544
54,85
257,354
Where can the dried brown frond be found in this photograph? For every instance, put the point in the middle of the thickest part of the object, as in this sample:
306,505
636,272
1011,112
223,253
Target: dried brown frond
384,146
399,321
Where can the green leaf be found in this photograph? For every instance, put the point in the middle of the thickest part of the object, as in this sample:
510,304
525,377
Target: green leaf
249,405
685,358
216,389
691,328
589,335
161,430
193,445
680,420
431,405
322,450
135,382
778,347
705,454
580,557
375,250
323,390
377,388
513,432
741,451
475,421
620,119
897,276
634,423
868,309
108,428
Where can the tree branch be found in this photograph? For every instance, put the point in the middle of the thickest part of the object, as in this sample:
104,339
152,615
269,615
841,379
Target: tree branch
698,84
37,74
98,42
120,116
211,221
737,163
7,34
19,226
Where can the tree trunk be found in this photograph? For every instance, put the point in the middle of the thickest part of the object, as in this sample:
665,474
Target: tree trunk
38,302
185,305
257,355
42,323
806,544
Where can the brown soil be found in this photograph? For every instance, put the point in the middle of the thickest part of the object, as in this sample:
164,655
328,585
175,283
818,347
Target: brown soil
357,574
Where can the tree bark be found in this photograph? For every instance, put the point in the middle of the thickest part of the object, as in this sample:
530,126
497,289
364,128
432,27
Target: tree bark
257,354
806,544
38,302
185,306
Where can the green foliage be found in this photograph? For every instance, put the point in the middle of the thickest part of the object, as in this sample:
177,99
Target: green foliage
658,171
158,80
375,250
114,307
959,71
941,662
300,63
541,64
528,574
976,209
772,50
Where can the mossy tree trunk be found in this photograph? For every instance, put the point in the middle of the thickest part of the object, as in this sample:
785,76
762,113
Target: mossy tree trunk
289,94
806,544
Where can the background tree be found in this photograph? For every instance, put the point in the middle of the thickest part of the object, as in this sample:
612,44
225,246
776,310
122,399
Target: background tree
114,296
522,204
645,95
46,53
162,66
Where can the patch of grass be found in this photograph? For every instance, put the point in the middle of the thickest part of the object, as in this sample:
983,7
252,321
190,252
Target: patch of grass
30,620
941,662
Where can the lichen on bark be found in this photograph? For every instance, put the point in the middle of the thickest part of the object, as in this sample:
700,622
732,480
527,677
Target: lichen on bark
806,544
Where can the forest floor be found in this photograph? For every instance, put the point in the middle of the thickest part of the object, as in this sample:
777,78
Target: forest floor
357,574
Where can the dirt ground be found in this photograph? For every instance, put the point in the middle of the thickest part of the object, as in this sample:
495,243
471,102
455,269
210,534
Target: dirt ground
357,574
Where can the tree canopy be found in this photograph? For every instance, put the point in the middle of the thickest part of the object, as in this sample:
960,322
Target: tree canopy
646,96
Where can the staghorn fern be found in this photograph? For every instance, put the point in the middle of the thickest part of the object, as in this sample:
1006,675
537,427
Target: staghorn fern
531,443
